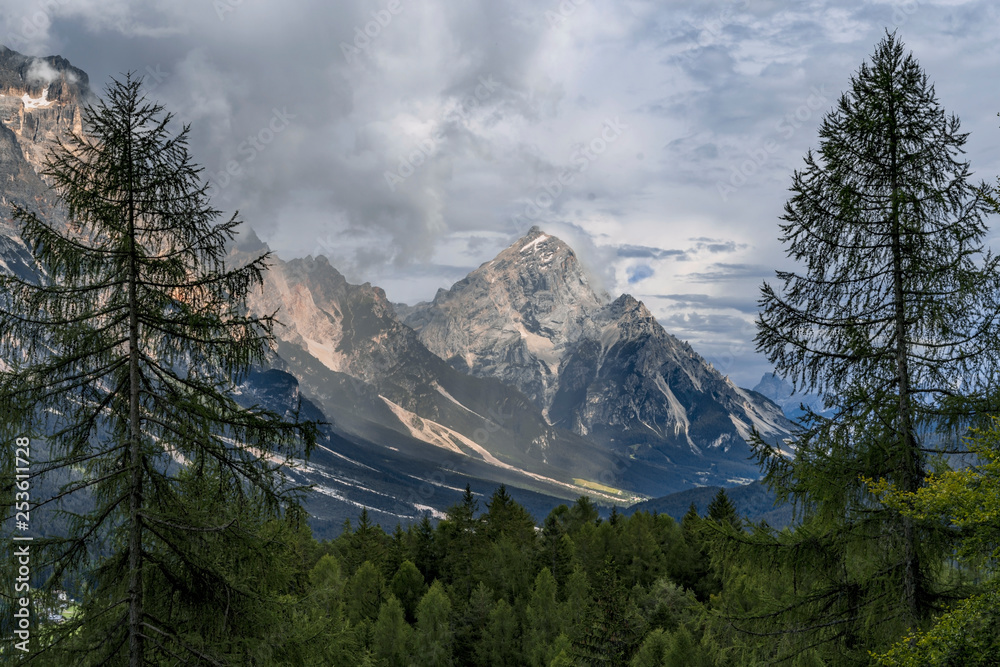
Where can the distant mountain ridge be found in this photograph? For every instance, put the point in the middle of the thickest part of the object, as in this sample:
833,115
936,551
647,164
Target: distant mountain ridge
370,373
791,402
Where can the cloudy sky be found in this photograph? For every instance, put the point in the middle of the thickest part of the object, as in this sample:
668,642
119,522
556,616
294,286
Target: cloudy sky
411,141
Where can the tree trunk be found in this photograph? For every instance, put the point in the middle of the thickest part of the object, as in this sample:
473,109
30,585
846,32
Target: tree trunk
135,638
910,474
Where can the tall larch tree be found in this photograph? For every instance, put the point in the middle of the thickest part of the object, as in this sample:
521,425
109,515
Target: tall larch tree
894,320
122,357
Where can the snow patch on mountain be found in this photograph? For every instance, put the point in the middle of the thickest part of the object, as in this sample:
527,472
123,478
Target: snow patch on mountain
37,102
534,244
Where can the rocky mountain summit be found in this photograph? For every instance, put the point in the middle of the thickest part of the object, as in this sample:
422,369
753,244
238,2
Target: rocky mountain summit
606,370
514,318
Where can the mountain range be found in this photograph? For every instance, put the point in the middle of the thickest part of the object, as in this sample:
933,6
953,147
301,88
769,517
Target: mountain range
522,373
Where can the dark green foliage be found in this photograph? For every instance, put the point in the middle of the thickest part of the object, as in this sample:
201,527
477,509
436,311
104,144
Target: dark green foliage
471,624
367,542
691,566
125,357
557,550
722,512
894,320
408,587
614,627
517,612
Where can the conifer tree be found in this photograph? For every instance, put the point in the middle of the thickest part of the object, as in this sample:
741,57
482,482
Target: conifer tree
391,637
123,357
894,321
614,627
543,622
408,586
434,637
722,511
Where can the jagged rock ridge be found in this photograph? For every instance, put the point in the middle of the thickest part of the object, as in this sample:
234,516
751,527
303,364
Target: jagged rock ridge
607,371
365,368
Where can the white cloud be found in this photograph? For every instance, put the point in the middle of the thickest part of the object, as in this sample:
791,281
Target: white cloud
41,71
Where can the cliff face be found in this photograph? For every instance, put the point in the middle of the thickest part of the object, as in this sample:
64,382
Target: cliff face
370,373
514,318
41,100
606,370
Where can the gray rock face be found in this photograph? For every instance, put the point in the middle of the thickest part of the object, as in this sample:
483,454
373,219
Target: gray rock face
607,371
515,318
41,99
366,369
40,102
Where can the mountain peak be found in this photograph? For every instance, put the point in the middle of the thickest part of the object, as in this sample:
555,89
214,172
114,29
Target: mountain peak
41,82
537,247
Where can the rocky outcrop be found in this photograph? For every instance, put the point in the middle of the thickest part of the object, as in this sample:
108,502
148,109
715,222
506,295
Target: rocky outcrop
41,99
514,318
371,372
605,370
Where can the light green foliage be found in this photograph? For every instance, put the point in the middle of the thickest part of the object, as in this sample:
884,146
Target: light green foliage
576,603
543,622
391,637
666,605
434,638
501,645
408,586
969,500
327,583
